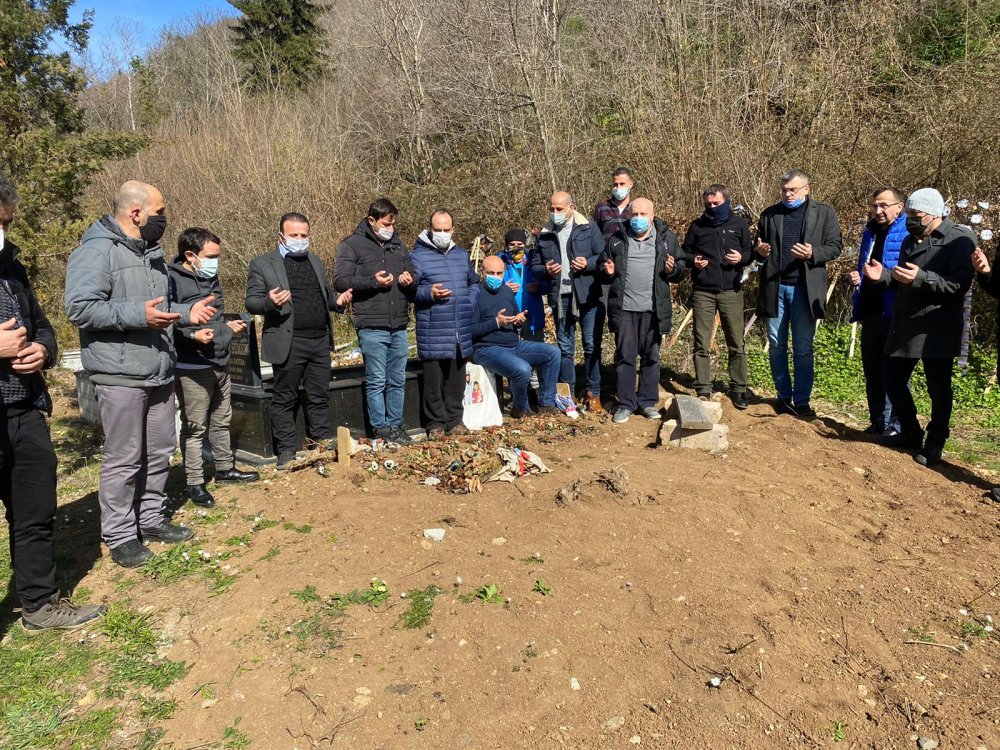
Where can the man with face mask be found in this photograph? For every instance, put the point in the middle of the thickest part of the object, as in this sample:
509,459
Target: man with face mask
641,263
27,459
500,348
519,277
989,280
203,388
931,279
289,287
872,304
116,294
375,264
567,251
717,248
445,302
796,238
613,214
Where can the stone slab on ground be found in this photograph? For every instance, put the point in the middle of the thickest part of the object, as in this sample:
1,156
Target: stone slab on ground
691,413
674,436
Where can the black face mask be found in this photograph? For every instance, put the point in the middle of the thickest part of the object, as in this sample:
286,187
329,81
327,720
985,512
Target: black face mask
915,226
153,229
718,215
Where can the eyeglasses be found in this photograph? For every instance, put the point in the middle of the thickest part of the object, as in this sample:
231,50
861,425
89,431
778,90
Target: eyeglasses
793,190
883,206
493,273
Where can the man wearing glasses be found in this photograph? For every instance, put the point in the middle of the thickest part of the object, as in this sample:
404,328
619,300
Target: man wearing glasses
872,304
796,238
933,274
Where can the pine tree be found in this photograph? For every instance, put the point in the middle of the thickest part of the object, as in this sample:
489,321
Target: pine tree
46,148
280,43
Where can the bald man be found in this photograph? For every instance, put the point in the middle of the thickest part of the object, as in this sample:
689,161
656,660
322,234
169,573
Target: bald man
566,256
498,346
641,261
116,294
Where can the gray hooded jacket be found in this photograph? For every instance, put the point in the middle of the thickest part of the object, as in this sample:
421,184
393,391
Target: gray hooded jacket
109,279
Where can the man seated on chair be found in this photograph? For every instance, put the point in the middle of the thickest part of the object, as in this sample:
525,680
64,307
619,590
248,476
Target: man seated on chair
498,346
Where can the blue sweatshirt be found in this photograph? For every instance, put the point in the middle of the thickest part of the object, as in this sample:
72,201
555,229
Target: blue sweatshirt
485,331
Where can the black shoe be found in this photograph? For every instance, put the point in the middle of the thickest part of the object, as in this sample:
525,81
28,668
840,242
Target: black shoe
516,413
199,495
994,494
739,399
806,411
284,458
399,435
874,429
132,554
235,475
549,411
785,406
930,455
907,441
167,533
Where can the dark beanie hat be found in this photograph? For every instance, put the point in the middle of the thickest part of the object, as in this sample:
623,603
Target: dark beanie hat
515,235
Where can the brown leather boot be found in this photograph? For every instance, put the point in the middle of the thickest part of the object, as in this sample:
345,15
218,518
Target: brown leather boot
593,402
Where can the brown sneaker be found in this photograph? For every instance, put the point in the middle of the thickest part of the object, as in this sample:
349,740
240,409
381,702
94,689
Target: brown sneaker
59,614
435,433
592,402
459,429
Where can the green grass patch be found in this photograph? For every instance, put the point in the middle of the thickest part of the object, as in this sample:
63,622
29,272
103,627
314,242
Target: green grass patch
308,594
418,613
541,587
488,593
241,540
304,529
271,553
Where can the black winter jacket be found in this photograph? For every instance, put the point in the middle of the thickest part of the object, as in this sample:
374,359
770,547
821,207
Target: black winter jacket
616,250
186,288
359,258
39,329
713,242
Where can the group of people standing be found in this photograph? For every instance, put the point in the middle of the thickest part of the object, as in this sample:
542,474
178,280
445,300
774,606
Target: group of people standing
152,330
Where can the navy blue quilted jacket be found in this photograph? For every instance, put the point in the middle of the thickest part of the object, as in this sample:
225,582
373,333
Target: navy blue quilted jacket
444,326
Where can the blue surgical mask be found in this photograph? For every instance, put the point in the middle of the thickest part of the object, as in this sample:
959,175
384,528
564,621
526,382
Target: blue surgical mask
558,219
639,224
493,282
297,246
793,203
208,268
620,193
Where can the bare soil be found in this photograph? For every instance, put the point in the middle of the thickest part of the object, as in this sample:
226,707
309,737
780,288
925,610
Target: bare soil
809,571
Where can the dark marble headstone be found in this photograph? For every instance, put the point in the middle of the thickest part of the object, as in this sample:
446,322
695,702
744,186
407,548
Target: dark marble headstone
244,359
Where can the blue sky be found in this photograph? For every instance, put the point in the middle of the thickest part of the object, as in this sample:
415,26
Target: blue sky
151,17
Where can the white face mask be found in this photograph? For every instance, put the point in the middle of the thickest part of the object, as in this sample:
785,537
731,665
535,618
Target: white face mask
208,268
620,193
385,233
297,246
441,240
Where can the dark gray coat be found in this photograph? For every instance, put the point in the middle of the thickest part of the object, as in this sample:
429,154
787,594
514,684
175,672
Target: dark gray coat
927,318
267,272
821,229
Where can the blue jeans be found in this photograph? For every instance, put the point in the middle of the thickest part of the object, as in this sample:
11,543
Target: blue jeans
794,310
516,363
385,374
566,338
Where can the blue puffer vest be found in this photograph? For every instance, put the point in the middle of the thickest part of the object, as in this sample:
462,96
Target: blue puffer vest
890,257
444,326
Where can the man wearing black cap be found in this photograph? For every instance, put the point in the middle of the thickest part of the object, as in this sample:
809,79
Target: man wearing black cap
527,289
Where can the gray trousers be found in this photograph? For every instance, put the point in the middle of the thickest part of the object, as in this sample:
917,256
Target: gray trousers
138,442
729,305
203,397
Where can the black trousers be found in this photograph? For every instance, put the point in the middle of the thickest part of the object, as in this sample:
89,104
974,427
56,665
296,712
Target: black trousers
308,364
875,364
444,389
28,490
938,373
638,336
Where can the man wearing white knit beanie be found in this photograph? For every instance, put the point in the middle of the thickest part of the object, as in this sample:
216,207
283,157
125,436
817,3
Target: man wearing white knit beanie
932,277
